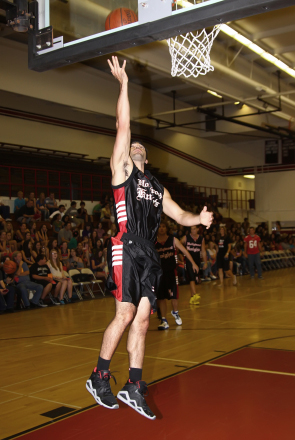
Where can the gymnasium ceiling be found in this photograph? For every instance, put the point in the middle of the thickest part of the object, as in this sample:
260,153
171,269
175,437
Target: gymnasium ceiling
240,75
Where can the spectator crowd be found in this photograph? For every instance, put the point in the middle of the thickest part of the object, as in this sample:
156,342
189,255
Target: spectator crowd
50,240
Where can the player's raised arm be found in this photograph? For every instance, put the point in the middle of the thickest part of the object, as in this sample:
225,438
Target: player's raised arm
182,217
120,159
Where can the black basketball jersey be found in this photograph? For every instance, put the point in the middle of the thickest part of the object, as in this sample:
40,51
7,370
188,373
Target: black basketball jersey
194,247
167,253
138,205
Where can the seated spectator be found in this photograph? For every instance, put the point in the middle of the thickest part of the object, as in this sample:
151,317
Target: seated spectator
96,212
27,254
86,251
97,248
66,219
87,231
12,245
57,224
4,210
74,261
99,230
42,235
106,214
4,245
19,201
39,249
82,213
23,282
20,235
59,276
33,231
53,245
39,272
61,210
94,239
64,255
73,213
41,206
7,294
65,234
112,232
51,203
98,264
26,212
9,227
74,240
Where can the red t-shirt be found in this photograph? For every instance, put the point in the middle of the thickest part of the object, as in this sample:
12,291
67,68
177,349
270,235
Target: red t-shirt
252,244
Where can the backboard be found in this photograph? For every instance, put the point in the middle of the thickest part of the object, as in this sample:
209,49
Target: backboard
79,34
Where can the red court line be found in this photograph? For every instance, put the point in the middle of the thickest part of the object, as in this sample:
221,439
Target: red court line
261,359
203,403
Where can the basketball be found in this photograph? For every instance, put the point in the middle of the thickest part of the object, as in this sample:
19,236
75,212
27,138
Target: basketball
9,266
120,17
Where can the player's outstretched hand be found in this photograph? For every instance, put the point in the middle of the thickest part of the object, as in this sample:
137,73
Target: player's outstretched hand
195,268
206,218
117,71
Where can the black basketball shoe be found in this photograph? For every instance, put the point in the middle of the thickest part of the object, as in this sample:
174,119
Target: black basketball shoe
99,386
133,395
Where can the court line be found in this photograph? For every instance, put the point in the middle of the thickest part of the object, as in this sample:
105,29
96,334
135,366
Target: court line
124,354
44,375
250,369
35,397
76,334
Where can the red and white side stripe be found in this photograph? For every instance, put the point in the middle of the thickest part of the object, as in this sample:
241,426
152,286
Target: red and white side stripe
117,255
121,211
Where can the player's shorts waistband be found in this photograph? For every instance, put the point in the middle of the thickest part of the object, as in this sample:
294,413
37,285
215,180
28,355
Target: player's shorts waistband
127,236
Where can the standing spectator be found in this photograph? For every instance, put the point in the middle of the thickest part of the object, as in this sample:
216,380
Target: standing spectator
252,248
57,224
4,210
24,283
42,235
26,212
73,213
51,203
65,234
19,201
27,252
59,275
39,272
82,213
41,206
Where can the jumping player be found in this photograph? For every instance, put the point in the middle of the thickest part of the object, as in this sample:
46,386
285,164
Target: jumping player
166,245
133,262
195,244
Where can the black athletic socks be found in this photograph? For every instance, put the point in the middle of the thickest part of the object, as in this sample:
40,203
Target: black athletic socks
103,364
135,374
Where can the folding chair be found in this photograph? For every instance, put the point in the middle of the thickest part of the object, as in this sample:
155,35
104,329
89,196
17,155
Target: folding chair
78,292
93,281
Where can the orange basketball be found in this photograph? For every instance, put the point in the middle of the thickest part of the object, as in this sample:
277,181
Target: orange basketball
120,17
9,266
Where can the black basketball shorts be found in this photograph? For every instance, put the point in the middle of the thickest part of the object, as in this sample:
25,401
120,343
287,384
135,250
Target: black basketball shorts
134,269
168,288
222,263
191,275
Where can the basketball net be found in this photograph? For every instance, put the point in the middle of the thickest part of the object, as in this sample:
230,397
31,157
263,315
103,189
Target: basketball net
190,53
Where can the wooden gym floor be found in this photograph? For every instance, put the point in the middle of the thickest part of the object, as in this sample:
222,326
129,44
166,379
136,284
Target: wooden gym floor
226,373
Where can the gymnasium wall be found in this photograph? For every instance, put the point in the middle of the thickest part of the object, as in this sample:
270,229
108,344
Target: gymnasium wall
92,90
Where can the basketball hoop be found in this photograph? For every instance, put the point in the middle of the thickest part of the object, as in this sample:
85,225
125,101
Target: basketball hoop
190,53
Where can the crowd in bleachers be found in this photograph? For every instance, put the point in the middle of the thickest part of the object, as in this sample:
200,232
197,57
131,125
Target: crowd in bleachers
51,246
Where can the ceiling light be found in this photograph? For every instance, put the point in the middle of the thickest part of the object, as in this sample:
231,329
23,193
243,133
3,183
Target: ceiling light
214,94
257,49
249,176
237,102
